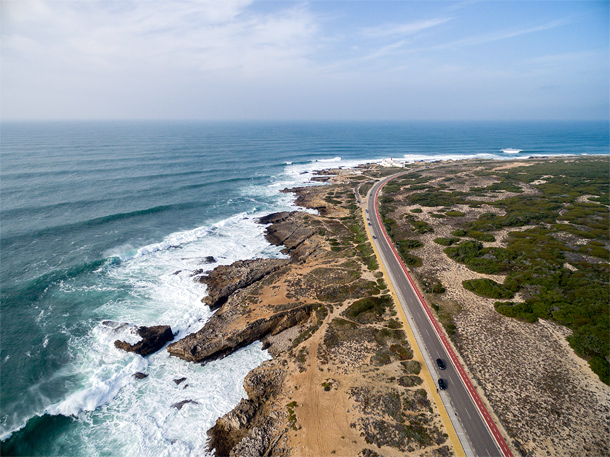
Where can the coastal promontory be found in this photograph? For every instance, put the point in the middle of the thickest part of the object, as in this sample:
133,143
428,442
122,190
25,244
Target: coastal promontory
488,243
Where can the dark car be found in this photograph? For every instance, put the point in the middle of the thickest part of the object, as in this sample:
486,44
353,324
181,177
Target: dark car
441,364
442,384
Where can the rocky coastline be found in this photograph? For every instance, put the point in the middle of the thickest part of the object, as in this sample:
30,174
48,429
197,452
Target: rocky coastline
343,379
248,430
301,309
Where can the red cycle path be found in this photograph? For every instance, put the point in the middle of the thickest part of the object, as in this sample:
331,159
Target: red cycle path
460,369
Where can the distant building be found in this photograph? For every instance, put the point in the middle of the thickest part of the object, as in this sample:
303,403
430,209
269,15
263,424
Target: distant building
391,163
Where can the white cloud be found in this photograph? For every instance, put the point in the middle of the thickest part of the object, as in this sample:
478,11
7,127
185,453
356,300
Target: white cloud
207,35
248,59
504,34
410,28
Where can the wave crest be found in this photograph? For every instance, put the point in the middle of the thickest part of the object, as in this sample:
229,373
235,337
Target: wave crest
102,390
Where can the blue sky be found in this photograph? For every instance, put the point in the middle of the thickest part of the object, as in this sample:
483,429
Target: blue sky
243,59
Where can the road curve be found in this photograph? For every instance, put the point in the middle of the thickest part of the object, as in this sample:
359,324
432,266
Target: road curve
484,438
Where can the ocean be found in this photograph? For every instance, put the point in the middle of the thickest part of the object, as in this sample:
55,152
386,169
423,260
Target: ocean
106,221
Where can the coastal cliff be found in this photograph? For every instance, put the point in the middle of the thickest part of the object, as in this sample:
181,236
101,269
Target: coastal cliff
325,317
343,379
242,318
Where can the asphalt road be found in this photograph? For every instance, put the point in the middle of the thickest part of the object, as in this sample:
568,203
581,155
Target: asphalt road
476,422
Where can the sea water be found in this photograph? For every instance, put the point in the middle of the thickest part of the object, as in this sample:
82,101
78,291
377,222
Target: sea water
103,223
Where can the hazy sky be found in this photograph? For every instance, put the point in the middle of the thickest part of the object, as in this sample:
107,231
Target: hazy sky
242,59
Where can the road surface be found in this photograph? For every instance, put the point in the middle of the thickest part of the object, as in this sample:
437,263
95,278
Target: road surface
477,427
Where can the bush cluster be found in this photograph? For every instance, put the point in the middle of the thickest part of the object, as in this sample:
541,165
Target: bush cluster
487,288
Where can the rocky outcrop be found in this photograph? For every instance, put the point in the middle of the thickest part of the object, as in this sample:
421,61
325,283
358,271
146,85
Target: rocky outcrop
153,339
234,325
226,279
219,337
180,404
290,230
251,430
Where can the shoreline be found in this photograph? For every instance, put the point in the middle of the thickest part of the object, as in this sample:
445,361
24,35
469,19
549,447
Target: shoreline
262,398
326,175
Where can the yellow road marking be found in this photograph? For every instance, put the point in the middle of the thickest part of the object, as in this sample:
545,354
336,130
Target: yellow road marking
417,355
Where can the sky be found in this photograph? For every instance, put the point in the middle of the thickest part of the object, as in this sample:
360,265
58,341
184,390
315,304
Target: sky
312,60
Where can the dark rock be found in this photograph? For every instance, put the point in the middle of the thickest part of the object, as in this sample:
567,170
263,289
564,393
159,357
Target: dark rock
153,339
247,431
226,279
178,381
116,326
218,338
140,375
177,272
180,404
208,259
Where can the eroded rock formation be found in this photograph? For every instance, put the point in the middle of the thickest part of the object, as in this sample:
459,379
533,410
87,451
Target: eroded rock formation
226,279
153,339
249,430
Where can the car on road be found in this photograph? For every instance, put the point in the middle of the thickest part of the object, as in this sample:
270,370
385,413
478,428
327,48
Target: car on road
441,364
442,384
374,237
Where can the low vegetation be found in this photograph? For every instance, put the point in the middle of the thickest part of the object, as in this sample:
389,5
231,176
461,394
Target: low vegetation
487,288
558,259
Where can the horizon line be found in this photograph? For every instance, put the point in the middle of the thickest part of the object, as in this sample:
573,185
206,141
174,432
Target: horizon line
253,120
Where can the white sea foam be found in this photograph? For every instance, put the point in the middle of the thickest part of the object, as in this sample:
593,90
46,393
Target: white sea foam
104,383
334,159
144,420
137,415
410,158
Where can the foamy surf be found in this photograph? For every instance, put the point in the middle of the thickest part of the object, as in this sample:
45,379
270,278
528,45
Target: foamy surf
162,290
105,382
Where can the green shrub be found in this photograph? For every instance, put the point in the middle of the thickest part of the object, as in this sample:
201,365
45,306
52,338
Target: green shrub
410,244
451,328
419,226
394,324
368,308
455,213
411,260
438,288
487,288
481,236
446,241
521,311
479,259
364,189
416,210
